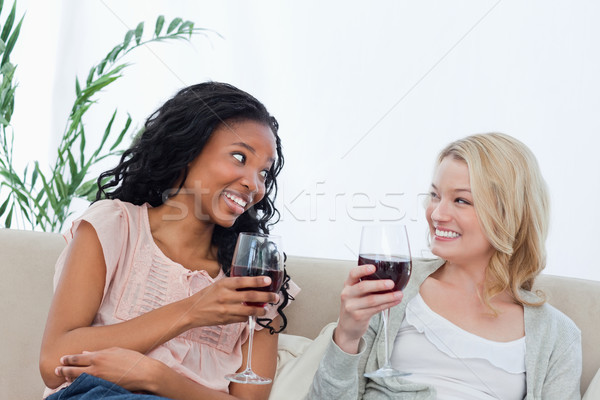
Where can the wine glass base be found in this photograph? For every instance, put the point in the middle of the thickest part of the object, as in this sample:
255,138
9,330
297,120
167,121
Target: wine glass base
248,377
385,372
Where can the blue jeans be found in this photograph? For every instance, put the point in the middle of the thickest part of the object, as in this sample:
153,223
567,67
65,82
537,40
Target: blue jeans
88,387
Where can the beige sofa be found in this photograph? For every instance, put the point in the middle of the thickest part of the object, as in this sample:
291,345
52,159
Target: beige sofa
27,264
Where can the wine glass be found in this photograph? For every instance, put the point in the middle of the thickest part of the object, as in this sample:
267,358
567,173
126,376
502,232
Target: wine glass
386,247
256,254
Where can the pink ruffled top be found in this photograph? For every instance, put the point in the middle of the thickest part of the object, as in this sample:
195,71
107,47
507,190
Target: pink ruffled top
140,278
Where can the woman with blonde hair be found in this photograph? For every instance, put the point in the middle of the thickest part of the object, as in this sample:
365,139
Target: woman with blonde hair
468,325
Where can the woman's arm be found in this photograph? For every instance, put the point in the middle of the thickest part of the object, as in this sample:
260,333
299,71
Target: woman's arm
359,302
264,363
564,374
339,370
137,372
79,294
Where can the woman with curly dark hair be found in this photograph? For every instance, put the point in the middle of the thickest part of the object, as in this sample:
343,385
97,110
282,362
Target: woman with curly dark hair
140,308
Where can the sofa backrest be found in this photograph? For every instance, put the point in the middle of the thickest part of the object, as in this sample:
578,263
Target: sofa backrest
27,263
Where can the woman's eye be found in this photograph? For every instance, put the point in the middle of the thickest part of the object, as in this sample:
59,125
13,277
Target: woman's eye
433,195
463,201
264,174
240,157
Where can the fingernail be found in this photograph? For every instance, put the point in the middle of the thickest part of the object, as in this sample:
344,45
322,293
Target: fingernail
62,360
267,280
389,284
398,294
57,371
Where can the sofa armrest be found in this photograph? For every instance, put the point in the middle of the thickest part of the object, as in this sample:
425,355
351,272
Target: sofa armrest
27,264
579,299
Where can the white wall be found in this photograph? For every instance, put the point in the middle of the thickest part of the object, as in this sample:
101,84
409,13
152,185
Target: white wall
366,95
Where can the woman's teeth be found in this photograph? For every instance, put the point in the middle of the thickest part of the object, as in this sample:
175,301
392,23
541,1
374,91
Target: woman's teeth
236,200
446,234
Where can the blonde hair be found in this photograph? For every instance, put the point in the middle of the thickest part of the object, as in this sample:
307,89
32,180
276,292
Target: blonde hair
511,201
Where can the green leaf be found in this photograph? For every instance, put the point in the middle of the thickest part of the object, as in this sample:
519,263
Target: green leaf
173,25
34,177
48,190
82,148
8,220
186,27
25,211
11,42
1,5
60,187
122,134
3,206
9,23
90,76
86,188
72,163
77,87
20,196
76,181
106,134
112,55
128,37
138,32
160,21
2,45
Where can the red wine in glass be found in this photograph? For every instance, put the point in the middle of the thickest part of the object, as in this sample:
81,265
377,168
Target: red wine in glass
387,248
256,254
397,269
275,275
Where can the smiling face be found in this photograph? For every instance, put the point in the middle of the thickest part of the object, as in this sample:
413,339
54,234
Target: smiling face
457,235
228,176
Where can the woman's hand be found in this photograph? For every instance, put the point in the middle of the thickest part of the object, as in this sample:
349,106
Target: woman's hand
222,302
127,368
359,303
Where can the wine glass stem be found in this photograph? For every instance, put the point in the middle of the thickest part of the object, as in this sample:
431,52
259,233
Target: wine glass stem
385,315
251,323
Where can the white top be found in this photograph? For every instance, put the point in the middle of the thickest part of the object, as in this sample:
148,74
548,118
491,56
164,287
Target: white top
459,364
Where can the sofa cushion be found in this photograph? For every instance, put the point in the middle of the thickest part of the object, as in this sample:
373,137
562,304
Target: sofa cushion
297,361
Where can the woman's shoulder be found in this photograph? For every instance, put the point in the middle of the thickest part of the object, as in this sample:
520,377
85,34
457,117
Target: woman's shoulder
111,210
546,320
109,218
423,267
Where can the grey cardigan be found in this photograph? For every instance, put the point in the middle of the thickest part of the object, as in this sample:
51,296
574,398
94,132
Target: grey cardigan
552,361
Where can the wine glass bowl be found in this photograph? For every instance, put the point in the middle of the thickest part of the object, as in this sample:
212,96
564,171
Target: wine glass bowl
387,248
256,255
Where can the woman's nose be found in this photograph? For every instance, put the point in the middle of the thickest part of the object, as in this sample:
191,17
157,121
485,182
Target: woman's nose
440,211
251,181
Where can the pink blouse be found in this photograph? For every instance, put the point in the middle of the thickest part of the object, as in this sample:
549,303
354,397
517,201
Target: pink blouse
140,278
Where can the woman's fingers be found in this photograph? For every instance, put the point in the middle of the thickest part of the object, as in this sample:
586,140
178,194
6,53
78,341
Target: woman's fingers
359,272
76,359
241,282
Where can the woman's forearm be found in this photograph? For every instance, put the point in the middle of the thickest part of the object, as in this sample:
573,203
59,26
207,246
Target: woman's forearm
141,334
166,382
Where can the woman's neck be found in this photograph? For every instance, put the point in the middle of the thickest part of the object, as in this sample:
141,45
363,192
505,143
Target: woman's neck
468,276
184,239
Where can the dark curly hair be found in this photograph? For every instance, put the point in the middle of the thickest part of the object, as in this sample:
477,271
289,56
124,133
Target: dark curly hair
172,137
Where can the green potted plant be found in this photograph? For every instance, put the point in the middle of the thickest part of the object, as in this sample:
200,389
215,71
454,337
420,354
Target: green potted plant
41,198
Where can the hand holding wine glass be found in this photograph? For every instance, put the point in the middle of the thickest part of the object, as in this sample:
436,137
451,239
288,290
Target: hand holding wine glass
386,247
257,255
